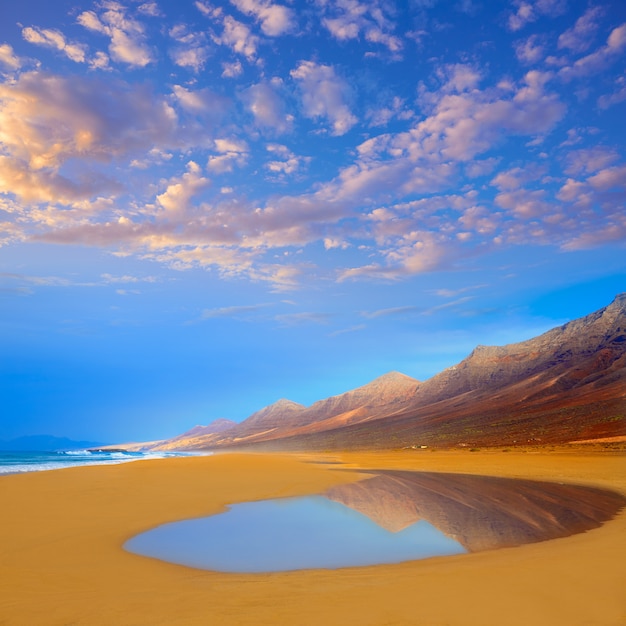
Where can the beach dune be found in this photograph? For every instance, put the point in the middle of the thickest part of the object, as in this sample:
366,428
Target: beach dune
62,560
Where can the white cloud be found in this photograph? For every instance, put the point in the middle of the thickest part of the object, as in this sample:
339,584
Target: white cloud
268,107
190,49
52,38
324,95
579,37
599,60
179,192
150,8
531,10
284,161
239,38
275,19
8,58
232,70
231,152
127,35
201,102
348,19
530,50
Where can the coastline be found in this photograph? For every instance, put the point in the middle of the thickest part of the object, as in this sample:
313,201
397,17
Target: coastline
62,560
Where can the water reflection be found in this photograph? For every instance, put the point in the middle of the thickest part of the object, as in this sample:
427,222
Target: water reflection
481,512
390,517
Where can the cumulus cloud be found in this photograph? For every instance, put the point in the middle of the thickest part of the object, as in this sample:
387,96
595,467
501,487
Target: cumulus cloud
127,35
232,70
579,37
52,38
374,20
201,102
324,95
46,121
267,106
190,49
529,11
8,58
179,192
530,50
230,153
284,162
239,38
275,19
599,60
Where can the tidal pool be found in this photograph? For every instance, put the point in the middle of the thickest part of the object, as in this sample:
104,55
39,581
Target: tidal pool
391,517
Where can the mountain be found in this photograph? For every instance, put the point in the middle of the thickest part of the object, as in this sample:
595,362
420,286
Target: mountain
45,443
383,396
567,384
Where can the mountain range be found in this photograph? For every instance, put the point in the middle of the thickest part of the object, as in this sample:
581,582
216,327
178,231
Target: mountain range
568,384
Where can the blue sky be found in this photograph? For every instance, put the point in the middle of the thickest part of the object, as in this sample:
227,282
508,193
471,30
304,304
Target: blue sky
205,207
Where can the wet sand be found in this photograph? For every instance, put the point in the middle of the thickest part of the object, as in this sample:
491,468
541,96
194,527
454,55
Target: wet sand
62,562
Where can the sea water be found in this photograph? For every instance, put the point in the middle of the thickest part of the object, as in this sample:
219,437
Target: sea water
289,534
36,461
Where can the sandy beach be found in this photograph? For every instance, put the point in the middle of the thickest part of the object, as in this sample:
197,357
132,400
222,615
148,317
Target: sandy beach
62,562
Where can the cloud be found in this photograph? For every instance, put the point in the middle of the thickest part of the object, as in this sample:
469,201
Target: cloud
239,38
275,19
179,192
267,106
127,35
371,19
232,311
579,37
619,95
599,60
150,8
284,162
190,51
589,160
531,10
297,319
343,331
530,50
48,121
52,38
397,109
231,152
201,102
8,58
109,279
232,70
398,310
324,95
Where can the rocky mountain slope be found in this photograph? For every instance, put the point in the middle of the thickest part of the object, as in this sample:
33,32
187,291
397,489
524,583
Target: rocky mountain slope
567,384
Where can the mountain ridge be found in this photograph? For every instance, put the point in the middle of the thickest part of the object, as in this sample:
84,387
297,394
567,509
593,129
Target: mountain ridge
567,383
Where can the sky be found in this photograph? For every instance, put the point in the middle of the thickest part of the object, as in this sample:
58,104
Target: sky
208,206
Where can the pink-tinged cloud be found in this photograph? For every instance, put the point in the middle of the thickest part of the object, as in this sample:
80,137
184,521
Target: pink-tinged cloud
599,60
324,95
127,35
275,19
580,36
52,38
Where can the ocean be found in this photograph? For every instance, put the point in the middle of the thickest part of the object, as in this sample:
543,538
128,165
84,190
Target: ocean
20,462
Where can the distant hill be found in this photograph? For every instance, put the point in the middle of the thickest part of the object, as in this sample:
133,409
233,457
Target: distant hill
45,443
567,384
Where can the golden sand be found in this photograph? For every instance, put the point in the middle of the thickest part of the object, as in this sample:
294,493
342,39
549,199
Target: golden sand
62,562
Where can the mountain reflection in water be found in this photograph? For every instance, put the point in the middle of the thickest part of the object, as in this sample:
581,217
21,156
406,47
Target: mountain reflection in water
480,512
391,517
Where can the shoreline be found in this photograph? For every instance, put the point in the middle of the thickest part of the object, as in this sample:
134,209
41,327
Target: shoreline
62,559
